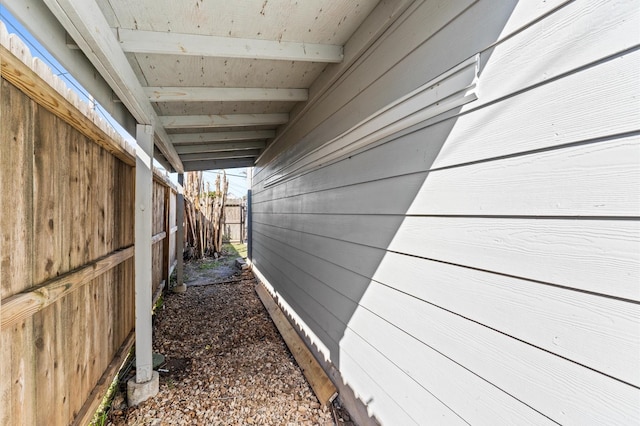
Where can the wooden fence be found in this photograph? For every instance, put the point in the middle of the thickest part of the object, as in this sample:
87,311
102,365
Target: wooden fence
234,220
66,246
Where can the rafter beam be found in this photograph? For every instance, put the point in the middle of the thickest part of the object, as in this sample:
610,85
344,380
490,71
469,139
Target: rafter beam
226,155
193,166
230,120
220,147
86,24
223,94
188,138
166,43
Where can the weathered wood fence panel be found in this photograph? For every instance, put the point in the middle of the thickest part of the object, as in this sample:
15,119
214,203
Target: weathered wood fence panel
66,247
71,191
164,229
234,220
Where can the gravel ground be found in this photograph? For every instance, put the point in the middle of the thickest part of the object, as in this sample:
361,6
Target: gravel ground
227,365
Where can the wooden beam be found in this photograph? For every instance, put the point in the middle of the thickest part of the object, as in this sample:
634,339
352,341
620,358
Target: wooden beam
23,305
219,147
180,232
230,120
192,166
94,399
86,24
322,386
143,252
166,43
223,94
166,249
223,155
249,215
186,138
36,88
158,237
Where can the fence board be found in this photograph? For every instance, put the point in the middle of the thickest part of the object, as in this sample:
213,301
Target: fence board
23,305
16,166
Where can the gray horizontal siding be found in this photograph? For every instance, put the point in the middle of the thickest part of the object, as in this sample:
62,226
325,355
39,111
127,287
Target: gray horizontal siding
481,266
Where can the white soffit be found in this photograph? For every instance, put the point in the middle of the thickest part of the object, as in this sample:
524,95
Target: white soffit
223,71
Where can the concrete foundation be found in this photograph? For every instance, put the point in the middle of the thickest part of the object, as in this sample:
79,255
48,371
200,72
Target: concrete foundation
140,392
180,288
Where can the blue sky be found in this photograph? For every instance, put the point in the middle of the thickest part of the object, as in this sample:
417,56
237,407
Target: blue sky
237,177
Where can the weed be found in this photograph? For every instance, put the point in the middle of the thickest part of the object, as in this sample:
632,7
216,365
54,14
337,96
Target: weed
209,265
158,304
100,419
101,415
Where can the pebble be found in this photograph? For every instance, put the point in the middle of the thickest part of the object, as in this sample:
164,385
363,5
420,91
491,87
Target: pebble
230,382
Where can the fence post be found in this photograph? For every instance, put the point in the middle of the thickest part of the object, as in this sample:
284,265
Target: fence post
146,383
166,252
249,214
180,286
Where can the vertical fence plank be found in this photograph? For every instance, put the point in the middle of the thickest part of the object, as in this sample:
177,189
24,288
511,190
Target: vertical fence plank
17,368
62,363
16,170
75,344
46,260
43,324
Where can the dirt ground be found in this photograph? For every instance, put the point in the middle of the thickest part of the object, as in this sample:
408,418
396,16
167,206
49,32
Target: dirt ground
225,363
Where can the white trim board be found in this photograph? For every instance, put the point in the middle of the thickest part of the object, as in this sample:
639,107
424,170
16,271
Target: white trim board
165,43
224,94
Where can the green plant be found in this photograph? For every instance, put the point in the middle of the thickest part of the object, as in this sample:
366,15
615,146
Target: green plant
100,419
209,265
159,303
101,415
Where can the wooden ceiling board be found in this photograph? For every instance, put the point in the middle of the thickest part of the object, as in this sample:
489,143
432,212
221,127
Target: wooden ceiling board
221,108
243,153
219,146
185,71
220,129
309,21
220,121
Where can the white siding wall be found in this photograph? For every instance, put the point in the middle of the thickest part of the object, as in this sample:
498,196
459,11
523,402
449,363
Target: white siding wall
481,266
